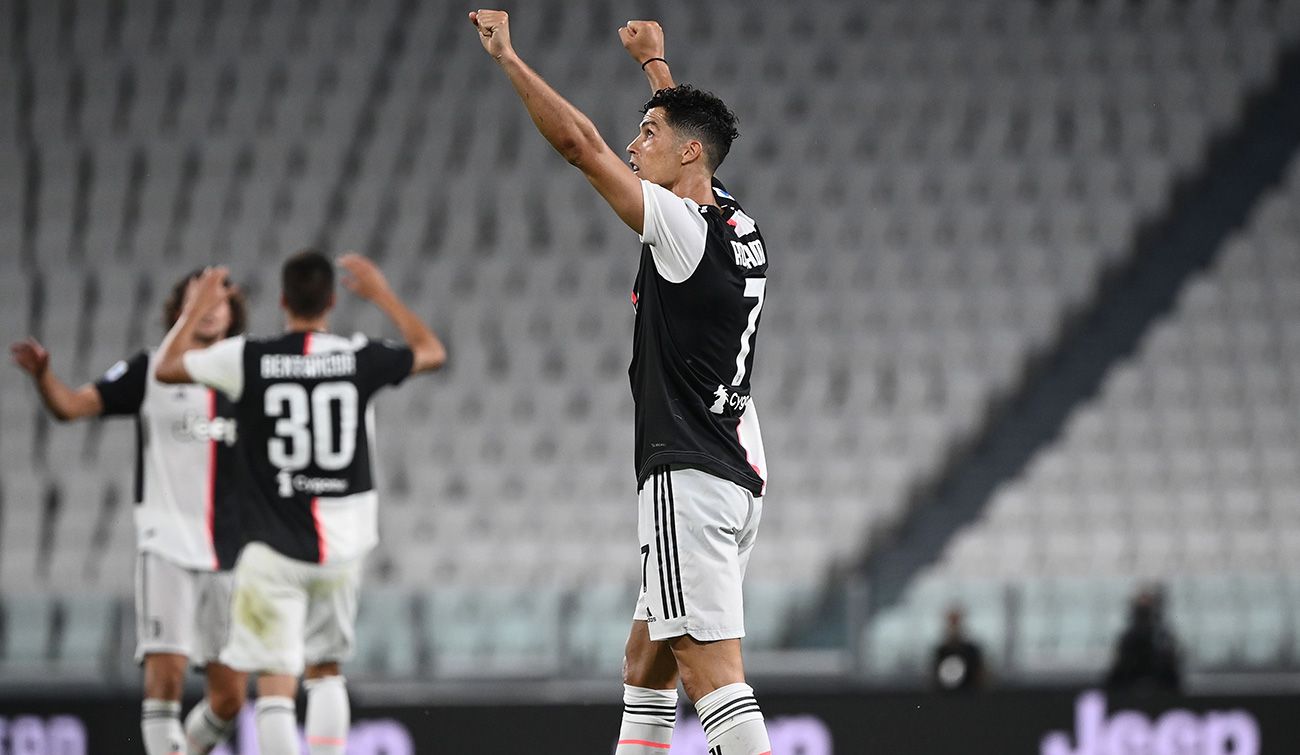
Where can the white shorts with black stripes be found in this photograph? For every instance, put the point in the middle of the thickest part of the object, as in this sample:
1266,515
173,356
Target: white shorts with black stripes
179,610
696,532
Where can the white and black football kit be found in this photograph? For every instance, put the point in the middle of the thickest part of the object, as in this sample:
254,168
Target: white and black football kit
306,434
700,464
187,508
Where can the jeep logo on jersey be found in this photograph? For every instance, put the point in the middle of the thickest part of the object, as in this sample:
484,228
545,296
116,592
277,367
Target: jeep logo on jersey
201,429
727,403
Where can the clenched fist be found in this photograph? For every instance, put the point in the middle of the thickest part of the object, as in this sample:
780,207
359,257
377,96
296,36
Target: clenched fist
493,31
643,40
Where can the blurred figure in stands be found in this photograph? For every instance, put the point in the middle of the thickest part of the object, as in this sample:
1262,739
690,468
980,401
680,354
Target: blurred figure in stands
958,661
1146,658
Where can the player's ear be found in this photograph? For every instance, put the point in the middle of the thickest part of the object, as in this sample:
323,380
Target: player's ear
333,298
692,150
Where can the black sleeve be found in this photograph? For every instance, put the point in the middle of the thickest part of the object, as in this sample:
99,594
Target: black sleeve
122,387
385,364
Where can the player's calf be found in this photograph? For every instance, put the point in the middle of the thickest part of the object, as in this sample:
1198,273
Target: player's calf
204,729
649,695
160,715
713,674
212,721
164,676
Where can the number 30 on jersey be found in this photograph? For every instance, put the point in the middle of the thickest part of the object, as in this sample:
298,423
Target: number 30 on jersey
305,431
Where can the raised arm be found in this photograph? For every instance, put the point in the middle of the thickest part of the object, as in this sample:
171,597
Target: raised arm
206,293
571,133
63,401
365,280
644,41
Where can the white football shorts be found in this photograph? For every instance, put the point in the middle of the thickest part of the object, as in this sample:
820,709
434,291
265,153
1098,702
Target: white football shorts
179,610
288,614
696,532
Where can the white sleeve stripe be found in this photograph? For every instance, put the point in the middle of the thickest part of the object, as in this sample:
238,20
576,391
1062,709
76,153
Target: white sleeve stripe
675,231
220,366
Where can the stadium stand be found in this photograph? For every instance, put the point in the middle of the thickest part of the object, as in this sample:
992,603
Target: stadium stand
1183,472
952,192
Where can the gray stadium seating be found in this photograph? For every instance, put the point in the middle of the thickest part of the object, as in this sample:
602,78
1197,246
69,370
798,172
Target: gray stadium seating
1183,472
951,191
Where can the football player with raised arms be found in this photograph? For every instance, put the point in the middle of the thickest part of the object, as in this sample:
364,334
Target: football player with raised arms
304,403
699,461
187,517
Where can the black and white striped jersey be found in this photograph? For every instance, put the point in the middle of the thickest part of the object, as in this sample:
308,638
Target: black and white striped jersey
187,504
699,297
306,434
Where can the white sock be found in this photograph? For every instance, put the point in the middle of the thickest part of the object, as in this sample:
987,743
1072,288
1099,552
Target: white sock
204,730
648,719
328,716
732,721
160,727
277,726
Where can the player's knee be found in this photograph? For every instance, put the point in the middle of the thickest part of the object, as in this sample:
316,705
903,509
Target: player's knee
642,668
226,702
164,689
692,683
322,670
628,676
705,667
277,685
637,665
164,677
700,682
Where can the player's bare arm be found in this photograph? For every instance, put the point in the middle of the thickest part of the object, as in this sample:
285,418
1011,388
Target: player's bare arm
363,278
568,130
206,292
644,41
63,401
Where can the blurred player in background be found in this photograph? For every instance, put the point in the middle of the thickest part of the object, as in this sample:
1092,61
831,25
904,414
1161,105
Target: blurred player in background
187,515
699,453
306,438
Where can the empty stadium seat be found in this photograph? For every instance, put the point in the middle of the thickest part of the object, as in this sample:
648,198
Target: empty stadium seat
950,195
1180,450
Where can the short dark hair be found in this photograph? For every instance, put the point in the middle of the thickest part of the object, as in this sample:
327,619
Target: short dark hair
307,283
175,302
701,115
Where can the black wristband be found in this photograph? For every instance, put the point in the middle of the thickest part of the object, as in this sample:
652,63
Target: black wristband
651,60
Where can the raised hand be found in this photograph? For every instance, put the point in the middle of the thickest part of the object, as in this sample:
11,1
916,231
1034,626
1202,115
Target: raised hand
362,277
207,291
30,356
643,40
493,31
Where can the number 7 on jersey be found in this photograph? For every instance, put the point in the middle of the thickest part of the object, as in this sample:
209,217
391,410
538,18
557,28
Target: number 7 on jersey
755,288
